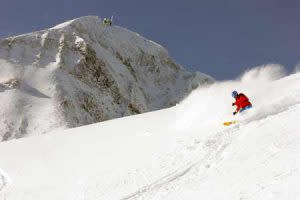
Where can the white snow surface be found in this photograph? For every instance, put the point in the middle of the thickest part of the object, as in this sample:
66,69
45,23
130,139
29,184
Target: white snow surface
82,72
183,152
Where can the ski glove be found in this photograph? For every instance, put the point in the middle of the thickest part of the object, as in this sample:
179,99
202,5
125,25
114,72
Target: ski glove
234,113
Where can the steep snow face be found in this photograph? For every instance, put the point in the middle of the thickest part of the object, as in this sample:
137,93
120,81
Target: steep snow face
82,72
159,155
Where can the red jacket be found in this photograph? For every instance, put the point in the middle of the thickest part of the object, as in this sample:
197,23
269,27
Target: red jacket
241,101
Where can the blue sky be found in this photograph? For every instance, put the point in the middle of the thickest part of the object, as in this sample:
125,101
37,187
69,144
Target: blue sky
221,38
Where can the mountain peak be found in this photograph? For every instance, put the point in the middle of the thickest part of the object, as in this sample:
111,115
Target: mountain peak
81,72
87,20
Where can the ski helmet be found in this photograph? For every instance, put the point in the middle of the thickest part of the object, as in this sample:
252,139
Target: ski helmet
234,94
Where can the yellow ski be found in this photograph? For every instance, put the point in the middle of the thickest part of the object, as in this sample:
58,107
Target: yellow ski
229,123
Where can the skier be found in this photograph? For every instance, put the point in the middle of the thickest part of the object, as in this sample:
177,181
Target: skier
241,102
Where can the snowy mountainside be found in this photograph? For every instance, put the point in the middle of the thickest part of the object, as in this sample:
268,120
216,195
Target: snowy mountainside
183,152
81,72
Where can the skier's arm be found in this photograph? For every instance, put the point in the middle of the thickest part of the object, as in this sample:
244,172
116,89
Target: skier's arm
236,111
237,108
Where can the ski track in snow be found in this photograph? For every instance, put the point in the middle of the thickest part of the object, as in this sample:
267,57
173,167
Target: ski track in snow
214,147
159,183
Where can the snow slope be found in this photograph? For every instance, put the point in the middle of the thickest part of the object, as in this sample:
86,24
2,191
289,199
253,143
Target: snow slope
183,152
82,72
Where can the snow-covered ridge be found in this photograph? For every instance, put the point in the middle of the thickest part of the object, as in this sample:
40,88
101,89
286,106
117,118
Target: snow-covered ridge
82,72
183,152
